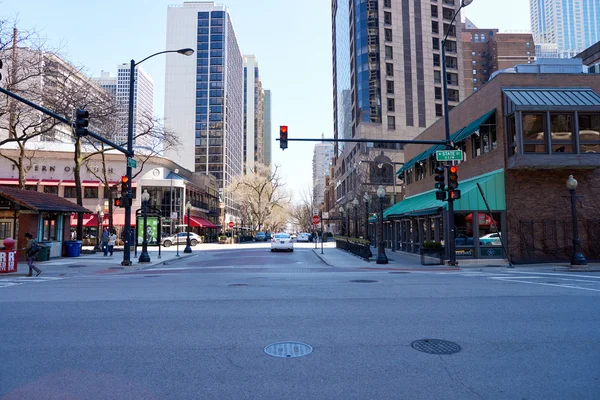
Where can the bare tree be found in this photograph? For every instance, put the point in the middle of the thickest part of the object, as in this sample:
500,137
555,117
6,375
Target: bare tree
302,212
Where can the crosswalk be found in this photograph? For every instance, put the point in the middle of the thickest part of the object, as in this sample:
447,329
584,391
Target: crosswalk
16,281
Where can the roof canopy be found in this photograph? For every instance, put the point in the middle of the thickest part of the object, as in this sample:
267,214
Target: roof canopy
549,98
37,201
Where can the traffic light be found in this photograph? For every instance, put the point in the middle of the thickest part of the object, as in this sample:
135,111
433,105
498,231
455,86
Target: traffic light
118,202
283,137
454,195
124,186
453,178
440,178
440,195
82,120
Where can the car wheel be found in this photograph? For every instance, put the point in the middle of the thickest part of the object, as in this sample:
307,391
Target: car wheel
167,243
291,249
272,250
193,242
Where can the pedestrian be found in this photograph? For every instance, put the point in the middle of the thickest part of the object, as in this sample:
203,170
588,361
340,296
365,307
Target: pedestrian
31,250
112,239
105,236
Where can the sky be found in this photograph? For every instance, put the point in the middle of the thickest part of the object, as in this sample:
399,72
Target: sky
291,40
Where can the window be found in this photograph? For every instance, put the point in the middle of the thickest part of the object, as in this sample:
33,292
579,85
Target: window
419,171
451,78
387,17
389,87
474,89
438,110
438,93
561,133
50,225
534,140
447,13
391,105
450,30
387,3
474,72
474,80
389,52
436,60
388,35
511,135
5,230
437,76
451,62
436,43
51,190
435,27
70,192
473,53
453,95
476,38
389,69
434,11
474,62
450,46
485,140
391,122
90,192
589,133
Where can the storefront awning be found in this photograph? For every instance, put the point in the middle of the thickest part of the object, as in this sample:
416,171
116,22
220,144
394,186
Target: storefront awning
91,220
197,222
426,203
545,98
473,126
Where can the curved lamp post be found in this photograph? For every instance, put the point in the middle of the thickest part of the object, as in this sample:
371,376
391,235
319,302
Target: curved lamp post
128,196
381,257
578,257
188,209
98,233
144,256
355,204
341,210
366,199
451,241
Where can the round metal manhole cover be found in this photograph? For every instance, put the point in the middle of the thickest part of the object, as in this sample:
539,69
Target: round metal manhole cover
288,349
363,281
238,284
435,346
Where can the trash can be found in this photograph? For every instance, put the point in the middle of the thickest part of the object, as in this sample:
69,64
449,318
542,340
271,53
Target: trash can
73,248
44,253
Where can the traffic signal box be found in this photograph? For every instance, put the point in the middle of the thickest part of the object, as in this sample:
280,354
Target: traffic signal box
125,198
450,192
82,120
283,137
453,194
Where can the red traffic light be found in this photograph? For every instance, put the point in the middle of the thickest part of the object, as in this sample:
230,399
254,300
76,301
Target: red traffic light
453,169
124,179
283,128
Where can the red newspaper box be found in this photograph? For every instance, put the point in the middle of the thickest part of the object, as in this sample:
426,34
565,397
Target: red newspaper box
8,257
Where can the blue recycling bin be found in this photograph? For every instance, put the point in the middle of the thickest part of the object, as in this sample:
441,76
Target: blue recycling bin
73,248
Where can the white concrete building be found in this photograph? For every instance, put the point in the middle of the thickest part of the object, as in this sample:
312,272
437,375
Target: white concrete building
254,111
322,157
267,135
204,93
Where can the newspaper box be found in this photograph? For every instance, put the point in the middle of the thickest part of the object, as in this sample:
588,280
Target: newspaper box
8,257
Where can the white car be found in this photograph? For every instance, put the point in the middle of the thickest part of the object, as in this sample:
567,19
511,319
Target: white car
303,237
282,241
491,239
181,238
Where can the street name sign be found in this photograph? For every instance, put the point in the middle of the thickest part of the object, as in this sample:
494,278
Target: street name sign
131,162
449,155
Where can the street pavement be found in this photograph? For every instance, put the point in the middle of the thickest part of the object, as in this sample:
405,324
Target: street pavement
200,328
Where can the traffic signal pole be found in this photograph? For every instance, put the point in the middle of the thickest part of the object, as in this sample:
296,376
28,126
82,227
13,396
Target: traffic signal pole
127,197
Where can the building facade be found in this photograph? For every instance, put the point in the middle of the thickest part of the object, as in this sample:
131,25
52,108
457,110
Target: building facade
267,134
254,115
204,93
522,135
387,82
571,26
322,157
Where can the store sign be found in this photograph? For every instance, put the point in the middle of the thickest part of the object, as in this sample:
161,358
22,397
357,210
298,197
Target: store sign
52,168
464,253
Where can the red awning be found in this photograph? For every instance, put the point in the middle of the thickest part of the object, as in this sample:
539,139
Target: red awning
91,220
15,181
50,182
199,222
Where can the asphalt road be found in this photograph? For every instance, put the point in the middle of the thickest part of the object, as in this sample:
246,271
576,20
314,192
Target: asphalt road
198,329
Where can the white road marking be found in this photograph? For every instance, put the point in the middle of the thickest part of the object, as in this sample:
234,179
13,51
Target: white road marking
546,284
555,274
7,282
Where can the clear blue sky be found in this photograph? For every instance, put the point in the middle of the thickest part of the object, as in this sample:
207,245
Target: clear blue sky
291,40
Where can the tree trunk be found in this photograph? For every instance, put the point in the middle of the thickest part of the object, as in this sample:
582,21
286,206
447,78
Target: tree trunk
22,172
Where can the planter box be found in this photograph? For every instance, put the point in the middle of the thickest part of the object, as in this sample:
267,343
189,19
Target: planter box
432,256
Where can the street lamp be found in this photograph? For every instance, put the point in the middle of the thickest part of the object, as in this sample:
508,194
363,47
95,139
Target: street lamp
128,196
381,257
341,209
348,218
176,170
578,257
145,257
188,208
366,198
98,233
451,241
355,204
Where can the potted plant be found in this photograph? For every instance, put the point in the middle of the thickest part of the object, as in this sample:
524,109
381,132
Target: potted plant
432,250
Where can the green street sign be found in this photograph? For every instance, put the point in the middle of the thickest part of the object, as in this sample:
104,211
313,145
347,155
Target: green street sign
449,155
131,162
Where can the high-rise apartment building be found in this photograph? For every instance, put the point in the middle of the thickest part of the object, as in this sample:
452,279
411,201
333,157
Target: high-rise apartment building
204,102
387,80
267,129
568,26
486,51
254,115
322,157
143,102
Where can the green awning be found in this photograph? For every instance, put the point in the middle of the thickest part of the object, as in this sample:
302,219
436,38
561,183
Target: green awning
473,127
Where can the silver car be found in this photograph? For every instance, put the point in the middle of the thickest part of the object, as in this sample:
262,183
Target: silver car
181,238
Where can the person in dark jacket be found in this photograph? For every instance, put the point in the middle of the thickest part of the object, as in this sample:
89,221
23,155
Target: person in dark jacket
30,253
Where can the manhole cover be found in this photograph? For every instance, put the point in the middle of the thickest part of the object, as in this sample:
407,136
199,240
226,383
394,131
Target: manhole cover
363,281
76,266
288,349
238,284
399,272
435,346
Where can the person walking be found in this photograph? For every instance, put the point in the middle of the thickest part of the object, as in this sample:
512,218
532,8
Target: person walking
112,239
105,236
31,250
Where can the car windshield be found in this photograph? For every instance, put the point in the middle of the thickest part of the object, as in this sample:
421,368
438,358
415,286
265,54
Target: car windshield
282,236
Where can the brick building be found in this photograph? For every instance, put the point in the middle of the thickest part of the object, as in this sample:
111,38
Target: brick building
522,135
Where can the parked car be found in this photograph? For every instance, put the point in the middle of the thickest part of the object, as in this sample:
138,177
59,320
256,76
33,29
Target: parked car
268,236
463,240
493,239
181,238
260,237
303,237
282,241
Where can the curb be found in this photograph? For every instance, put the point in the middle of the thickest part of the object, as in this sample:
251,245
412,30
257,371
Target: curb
321,258
168,262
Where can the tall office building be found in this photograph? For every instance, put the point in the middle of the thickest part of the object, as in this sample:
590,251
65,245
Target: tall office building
267,129
254,114
143,102
204,101
322,156
387,79
567,26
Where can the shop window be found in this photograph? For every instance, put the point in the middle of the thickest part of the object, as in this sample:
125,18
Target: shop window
463,237
419,171
589,133
409,176
90,193
51,190
512,136
50,228
534,140
5,230
490,230
561,133
70,192
484,140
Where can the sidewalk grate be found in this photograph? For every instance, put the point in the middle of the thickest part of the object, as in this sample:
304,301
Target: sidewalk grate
435,346
288,349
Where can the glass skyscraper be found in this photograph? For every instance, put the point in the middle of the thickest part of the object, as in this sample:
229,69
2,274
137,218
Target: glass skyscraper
204,93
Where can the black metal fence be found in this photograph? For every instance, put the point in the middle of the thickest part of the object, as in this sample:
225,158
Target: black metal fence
359,249
552,240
